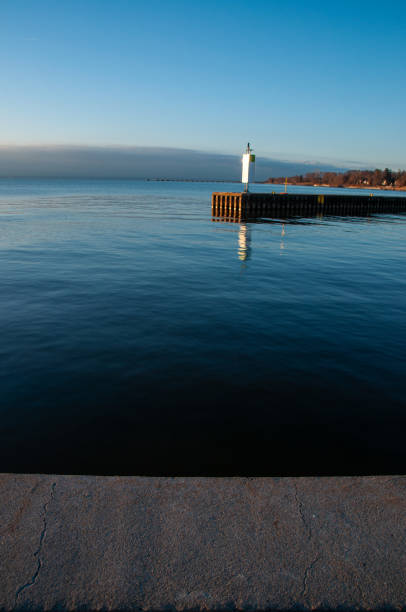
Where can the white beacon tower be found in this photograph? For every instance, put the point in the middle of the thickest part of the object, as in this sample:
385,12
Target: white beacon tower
248,167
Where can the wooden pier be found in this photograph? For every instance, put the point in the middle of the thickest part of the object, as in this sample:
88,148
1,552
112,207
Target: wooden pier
246,205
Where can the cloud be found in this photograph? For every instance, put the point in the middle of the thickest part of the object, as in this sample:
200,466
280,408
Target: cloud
137,163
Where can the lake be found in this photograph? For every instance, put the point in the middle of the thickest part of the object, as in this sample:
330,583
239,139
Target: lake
140,337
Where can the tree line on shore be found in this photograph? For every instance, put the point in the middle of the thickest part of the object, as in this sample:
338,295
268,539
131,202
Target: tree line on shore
370,178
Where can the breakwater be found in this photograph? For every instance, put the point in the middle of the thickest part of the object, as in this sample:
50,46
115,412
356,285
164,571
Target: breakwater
132,543
245,205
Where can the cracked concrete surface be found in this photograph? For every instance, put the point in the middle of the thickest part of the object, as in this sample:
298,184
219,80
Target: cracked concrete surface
122,543
37,553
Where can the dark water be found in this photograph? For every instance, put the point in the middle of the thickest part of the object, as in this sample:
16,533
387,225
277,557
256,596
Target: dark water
139,337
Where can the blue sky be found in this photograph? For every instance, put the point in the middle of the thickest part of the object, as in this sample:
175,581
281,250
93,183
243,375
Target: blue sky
302,80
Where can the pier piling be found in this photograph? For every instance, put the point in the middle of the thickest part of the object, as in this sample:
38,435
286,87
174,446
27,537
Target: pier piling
245,205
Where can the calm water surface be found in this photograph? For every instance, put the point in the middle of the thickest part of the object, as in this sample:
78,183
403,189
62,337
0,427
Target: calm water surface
140,337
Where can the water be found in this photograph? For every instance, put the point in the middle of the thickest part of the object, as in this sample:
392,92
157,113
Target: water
139,337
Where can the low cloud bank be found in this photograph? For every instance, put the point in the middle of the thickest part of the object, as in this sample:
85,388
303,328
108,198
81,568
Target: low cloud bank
137,163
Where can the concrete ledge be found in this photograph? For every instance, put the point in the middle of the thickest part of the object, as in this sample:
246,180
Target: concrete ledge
129,543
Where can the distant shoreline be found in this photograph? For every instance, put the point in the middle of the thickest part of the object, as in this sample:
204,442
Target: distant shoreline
368,187
384,180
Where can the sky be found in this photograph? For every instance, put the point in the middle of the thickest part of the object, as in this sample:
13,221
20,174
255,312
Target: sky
319,82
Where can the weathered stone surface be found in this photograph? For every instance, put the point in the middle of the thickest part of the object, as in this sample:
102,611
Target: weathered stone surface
120,543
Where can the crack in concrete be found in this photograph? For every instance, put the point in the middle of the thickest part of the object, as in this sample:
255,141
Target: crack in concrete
306,576
299,504
37,553
308,528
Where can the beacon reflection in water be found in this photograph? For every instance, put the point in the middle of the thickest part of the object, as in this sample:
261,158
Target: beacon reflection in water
244,242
